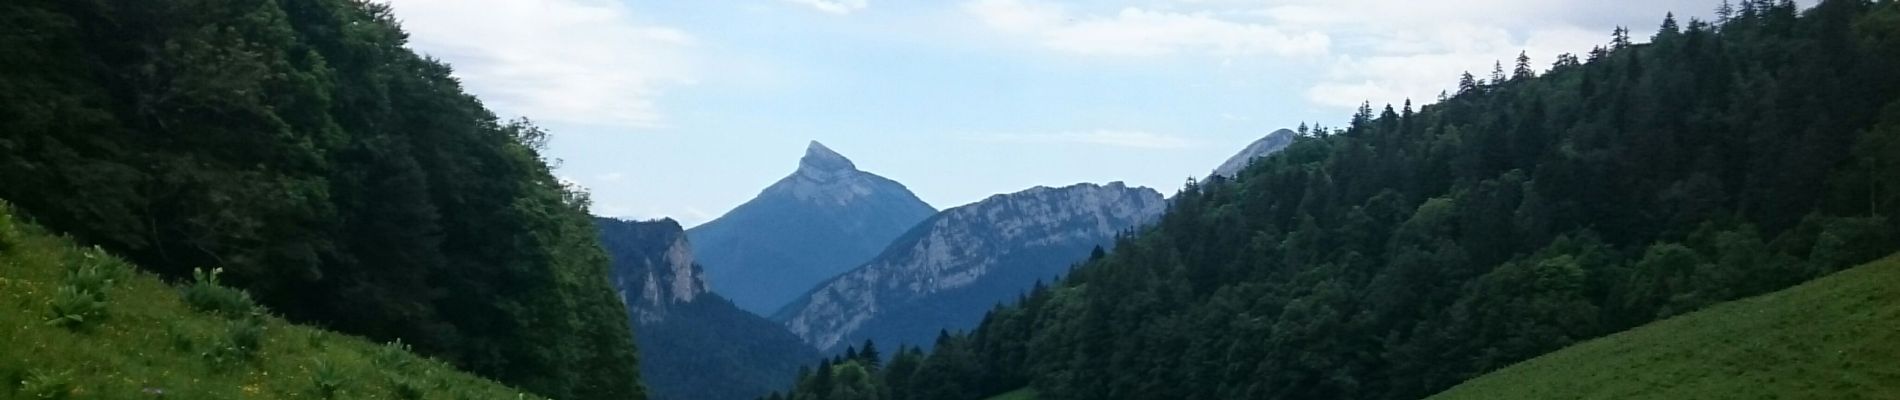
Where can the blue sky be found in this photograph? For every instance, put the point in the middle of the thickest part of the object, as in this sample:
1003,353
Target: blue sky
685,109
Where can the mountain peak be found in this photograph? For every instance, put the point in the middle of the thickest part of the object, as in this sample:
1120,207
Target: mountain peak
1272,143
819,157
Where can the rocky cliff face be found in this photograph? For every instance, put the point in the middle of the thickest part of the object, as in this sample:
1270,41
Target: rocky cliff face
950,269
823,219
653,266
1272,143
695,344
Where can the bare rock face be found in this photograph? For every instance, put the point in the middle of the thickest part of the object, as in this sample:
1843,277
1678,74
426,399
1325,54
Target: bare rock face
653,266
949,270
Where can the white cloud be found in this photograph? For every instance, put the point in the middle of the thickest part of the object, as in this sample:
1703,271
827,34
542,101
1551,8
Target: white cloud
574,61
1138,32
1394,50
1099,137
840,7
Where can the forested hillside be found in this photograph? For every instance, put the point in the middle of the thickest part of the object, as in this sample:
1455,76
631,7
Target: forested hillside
344,180
1415,249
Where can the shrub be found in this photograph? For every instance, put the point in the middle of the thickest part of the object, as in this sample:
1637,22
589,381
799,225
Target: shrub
92,271
246,335
328,381
405,387
393,355
207,295
314,339
48,385
242,339
76,309
81,301
8,233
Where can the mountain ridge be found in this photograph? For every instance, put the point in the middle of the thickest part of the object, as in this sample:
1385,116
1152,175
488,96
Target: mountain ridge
1265,146
951,268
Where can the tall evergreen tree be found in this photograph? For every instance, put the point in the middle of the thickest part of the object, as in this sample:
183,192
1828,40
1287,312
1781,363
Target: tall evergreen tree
1523,70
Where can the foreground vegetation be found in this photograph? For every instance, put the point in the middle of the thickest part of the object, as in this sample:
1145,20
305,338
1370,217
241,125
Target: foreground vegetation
81,324
1019,394
339,177
1530,210
1833,338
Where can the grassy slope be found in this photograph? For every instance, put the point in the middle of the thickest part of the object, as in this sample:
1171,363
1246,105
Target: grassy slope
151,340
1837,337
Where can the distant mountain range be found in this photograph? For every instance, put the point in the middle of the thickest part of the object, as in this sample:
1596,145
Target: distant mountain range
694,344
823,219
836,256
950,269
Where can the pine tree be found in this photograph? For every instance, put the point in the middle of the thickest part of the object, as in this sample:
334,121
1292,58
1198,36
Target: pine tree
1363,117
870,357
1467,83
1668,31
1523,70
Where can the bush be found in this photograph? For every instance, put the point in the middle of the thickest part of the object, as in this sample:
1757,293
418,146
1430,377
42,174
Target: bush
207,295
76,309
48,385
93,271
242,339
326,378
8,233
406,388
81,301
393,355
246,335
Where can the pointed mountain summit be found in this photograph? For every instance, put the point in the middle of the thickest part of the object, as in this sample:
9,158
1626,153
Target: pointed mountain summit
821,158
1272,143
823,219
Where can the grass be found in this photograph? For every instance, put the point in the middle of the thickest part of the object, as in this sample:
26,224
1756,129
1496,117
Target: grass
76,323
1018,394
1837,337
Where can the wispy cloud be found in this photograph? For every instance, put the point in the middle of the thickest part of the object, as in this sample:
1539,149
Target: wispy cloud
577,61
1100,137
839,7
1141,32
